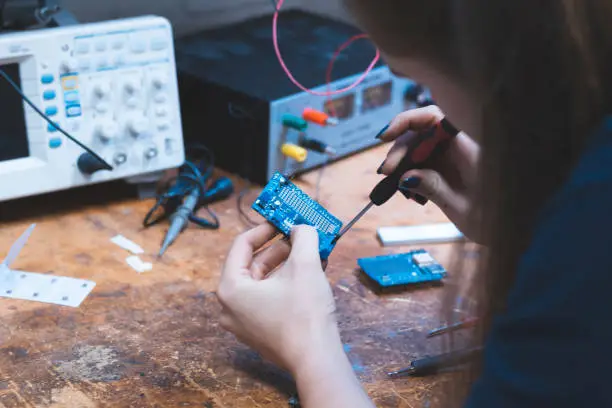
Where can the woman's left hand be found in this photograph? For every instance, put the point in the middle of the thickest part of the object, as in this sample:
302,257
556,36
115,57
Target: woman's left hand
286,312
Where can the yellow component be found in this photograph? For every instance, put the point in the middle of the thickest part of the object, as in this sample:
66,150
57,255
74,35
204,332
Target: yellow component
295,152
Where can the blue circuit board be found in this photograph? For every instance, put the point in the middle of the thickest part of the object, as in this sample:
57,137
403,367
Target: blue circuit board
284,205
403,269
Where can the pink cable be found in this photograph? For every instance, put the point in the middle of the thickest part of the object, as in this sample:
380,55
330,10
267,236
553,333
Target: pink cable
330,68
290,75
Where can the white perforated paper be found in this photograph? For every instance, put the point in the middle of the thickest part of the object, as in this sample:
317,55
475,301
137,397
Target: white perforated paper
38,287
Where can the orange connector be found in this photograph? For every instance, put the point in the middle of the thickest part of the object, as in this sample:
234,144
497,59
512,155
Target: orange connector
318,117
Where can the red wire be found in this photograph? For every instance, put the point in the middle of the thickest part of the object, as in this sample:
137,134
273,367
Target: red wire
330,68
295,81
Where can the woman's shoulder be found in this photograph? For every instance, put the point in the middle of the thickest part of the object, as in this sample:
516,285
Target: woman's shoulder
595,165
589,183
551,346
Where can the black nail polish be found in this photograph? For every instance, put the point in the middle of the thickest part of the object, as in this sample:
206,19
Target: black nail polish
379,171
420,199
382,131
410,182
405,193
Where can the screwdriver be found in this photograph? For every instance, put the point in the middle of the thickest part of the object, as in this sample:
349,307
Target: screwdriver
421,148
464,324
432,365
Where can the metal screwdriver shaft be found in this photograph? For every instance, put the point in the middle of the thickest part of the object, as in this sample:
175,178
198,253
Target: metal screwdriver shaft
353,221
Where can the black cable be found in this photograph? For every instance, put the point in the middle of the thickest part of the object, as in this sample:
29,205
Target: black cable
243,215
46,118
319,179
2,8
194,173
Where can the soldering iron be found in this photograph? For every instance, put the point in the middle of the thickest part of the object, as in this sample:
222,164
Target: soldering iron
421,149
191,190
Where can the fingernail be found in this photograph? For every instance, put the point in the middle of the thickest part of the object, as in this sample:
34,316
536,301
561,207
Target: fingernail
406,193
380,169
410,182
420,199
382,131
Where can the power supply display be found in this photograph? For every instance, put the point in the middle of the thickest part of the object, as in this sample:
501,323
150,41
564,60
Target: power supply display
237,100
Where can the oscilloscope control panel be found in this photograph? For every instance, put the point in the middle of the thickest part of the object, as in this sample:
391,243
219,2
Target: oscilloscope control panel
111,85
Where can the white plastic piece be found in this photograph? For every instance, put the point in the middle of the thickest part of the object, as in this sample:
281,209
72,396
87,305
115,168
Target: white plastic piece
17,246
419,234
126,244
423,259
138,264
39,287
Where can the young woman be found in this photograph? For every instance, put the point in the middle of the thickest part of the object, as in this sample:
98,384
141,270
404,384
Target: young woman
530,81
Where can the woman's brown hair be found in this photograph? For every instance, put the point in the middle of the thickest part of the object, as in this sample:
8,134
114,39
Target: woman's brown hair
540,70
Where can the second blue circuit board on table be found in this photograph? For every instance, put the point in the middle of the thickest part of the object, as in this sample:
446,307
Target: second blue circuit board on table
284,205
403,269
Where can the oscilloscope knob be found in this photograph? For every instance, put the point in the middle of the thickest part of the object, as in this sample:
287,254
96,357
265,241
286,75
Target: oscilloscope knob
101,89
131,87
137,125
69,65
106,130
159,81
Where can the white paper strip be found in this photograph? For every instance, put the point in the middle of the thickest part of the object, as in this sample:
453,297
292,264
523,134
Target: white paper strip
138,265
126,244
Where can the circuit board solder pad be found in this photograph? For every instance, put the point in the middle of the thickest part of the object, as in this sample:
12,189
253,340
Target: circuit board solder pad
285,205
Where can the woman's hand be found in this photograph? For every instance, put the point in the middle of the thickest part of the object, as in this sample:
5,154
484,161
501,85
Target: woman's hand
451,179
284,313
279,302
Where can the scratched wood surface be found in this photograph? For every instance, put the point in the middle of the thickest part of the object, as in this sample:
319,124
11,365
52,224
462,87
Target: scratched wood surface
153,339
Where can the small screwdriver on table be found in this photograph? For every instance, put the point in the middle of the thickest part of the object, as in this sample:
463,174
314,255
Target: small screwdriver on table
432,365
421,148
464,324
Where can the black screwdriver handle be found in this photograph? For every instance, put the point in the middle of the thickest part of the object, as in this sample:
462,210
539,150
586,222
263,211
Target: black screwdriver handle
431,365
422,148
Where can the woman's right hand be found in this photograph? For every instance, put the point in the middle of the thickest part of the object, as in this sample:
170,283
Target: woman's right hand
450,180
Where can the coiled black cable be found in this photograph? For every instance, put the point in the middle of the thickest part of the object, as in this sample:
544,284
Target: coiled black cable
195,173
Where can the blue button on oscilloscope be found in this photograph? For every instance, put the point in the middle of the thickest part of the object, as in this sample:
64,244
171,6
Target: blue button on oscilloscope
51,128
49,94
74,110
51,110
71,97
47,79
55,142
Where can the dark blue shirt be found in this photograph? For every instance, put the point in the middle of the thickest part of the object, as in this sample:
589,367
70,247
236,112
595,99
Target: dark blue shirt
553,346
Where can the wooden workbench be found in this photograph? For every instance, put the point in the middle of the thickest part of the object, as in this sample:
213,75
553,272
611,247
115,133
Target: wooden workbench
153,339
